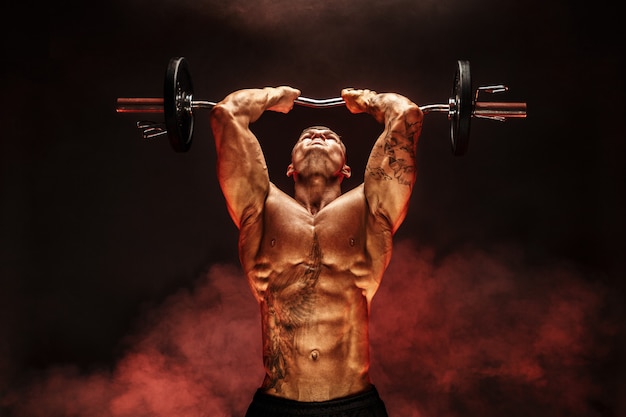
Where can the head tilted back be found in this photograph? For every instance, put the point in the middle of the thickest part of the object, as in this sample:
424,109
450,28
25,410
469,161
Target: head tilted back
320,127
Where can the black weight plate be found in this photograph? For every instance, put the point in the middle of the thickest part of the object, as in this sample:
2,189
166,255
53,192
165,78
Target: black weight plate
177,96
462,101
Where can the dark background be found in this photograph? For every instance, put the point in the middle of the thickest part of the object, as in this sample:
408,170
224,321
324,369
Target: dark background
99,227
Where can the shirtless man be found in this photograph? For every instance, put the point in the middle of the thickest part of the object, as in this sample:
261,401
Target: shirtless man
315,261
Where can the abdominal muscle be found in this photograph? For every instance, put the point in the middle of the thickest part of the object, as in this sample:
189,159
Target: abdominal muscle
315,340
314,276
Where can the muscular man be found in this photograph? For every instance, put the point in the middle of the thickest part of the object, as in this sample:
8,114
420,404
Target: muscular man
315,261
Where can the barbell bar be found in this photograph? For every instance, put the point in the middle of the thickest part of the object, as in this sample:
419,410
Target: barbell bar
177,105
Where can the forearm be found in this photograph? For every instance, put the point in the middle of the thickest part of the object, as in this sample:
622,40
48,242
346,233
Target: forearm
246,106
241,166
393,155
242,107
390,171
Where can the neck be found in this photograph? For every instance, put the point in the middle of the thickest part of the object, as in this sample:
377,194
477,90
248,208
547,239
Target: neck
314,193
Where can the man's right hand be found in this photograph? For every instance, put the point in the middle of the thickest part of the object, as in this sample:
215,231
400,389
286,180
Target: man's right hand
248,105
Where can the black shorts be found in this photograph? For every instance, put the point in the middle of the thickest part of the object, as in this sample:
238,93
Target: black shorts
365,404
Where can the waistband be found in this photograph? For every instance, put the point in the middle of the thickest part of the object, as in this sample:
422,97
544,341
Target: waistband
272,404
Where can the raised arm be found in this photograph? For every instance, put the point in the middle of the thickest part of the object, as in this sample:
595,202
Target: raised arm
242,172
390,171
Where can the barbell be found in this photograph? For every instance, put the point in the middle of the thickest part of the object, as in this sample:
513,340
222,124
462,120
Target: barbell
178,104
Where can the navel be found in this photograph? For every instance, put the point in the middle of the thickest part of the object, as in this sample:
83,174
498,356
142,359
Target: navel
314,355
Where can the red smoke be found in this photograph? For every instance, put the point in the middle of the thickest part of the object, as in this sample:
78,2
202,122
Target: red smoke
471,334
485,334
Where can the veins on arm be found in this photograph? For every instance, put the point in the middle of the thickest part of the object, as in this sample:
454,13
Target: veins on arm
241,165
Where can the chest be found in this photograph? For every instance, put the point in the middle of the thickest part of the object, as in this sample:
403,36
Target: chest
292,235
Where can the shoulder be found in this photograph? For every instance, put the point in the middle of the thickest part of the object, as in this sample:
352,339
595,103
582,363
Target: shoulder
276,196
355,196
278,203
254,213
354,204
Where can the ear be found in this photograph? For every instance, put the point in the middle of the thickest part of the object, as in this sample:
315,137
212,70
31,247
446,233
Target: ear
346,171
290,170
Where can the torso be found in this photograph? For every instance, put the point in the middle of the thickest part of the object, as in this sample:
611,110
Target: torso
314,276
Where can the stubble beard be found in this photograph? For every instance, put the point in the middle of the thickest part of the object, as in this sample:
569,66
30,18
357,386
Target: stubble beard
317,162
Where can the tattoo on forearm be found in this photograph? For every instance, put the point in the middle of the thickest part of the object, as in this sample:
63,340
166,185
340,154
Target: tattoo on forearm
289,303
398,150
